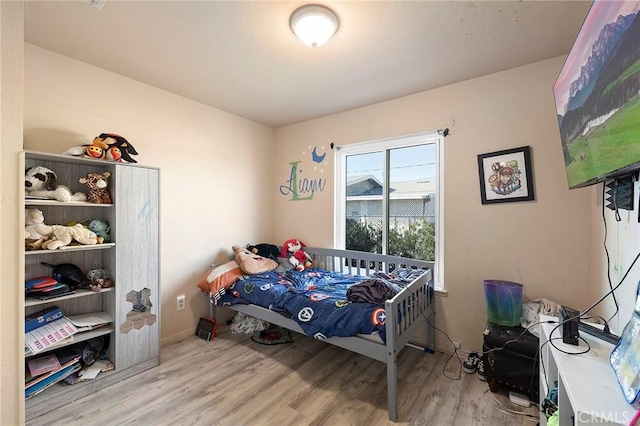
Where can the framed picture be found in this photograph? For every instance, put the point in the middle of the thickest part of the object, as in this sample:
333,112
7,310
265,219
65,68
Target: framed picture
506,176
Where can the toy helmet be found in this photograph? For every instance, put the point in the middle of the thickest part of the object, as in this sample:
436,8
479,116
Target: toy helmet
66,273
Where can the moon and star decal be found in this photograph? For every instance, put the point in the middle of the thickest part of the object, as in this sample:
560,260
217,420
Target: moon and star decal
318,158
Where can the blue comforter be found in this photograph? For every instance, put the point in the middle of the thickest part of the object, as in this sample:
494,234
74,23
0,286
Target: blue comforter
316,299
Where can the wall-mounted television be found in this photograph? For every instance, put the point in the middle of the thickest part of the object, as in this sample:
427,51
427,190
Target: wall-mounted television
597,95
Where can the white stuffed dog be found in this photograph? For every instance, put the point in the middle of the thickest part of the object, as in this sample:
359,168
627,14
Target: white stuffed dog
40,181
32,218
63,235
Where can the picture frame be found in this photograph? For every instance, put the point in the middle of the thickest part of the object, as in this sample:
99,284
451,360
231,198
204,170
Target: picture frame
506,176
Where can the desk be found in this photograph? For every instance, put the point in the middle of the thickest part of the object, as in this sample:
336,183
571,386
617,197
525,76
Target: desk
588,392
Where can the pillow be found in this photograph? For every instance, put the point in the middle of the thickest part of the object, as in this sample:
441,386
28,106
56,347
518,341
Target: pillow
219,278
252,263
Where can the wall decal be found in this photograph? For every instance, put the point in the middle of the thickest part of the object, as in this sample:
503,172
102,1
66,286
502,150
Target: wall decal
317,158
140,315
303,188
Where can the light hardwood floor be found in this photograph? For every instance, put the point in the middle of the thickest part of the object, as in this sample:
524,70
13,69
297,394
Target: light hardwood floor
233,381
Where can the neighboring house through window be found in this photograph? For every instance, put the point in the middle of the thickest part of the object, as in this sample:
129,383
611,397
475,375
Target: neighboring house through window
389,198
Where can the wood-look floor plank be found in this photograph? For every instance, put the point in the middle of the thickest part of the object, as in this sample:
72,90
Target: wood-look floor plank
233,381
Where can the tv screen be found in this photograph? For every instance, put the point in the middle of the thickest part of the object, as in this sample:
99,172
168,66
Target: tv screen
597,95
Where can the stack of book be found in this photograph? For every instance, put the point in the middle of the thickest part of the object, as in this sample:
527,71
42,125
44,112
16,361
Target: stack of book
43,372
46,328
46,288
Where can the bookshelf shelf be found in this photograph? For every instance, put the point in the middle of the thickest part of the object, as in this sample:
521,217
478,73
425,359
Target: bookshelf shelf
29,301
76,338
41,202
67,249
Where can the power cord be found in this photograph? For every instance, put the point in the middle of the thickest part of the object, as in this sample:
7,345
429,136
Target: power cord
606,251
455,353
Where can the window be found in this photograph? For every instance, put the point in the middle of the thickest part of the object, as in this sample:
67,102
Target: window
389,198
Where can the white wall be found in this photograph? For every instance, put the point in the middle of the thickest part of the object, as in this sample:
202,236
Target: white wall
213,165
11,214
543,244
623,244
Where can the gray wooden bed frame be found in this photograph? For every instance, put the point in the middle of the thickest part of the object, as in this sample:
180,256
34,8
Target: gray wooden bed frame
405,310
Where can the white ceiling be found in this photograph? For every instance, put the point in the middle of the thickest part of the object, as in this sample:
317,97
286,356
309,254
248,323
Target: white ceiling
242,57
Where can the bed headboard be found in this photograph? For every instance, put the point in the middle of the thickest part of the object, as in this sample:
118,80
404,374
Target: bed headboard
361,263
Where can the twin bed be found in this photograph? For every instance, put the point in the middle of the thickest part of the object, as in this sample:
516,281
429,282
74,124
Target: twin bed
313,302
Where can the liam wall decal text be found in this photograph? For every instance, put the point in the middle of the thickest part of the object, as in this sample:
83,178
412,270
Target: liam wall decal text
299,187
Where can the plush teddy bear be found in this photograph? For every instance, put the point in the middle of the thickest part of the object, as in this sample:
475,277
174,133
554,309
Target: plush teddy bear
101,229
40,181
61,235
97,183
299,258
270,251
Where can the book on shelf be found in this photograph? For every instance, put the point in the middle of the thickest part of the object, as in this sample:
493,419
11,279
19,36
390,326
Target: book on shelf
41,318
40,283
38,386
43,338
91,321
43,364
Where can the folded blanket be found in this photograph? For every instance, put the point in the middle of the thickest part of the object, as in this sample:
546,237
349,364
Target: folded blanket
532,310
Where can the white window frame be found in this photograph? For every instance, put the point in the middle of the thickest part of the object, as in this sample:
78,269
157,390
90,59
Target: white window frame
340,178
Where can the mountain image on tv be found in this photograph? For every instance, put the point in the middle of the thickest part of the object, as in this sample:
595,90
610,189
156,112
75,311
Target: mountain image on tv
598,95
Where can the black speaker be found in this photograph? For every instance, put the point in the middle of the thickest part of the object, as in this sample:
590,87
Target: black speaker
206,328
570,320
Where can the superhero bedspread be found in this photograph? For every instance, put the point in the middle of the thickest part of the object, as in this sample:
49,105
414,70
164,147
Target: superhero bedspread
324,303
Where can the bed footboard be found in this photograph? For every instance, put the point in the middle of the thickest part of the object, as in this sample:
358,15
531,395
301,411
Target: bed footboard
403,313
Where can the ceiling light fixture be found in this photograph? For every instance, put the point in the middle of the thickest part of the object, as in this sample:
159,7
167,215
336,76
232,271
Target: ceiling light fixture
314,24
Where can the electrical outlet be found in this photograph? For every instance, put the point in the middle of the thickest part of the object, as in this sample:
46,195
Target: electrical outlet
181,300
457,345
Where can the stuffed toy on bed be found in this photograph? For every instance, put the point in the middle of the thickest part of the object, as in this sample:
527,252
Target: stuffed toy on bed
270,251
252,263
300,259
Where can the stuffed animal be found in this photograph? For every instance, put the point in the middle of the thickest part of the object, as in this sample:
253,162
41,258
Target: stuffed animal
100,278
118,148
40,181
252,263
33,239
61,235
101,229
107,146
270,251
299,258
97,183
32,218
